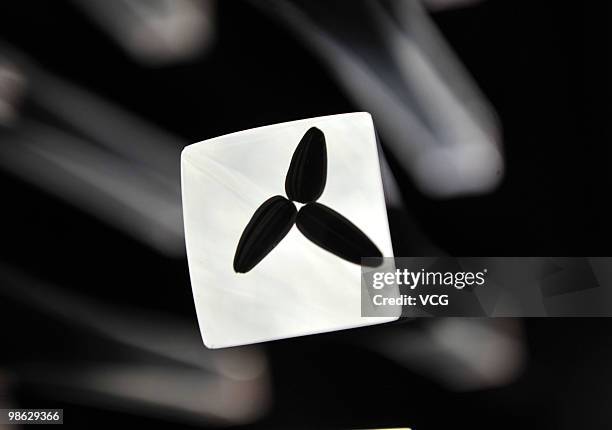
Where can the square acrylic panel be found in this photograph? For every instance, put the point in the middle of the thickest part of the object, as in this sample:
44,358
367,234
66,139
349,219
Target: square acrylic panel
299,288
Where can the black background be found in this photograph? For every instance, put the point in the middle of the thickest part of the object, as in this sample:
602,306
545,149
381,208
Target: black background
543,66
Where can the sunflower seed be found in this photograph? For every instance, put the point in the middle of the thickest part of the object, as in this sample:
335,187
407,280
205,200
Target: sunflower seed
336,234
308,169
269,224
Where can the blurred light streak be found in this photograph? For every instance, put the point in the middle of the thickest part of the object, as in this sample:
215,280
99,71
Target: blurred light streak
463,354
430,113
12,85
439,5
96,156
169,392
394,428
196,384
393,194
156,32
407,236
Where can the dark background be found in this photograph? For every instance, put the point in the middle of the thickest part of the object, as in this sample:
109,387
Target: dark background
542,65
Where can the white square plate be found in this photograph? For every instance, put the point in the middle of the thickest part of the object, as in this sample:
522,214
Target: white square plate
299,288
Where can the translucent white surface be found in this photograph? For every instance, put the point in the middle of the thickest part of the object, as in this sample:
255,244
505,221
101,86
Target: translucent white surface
298,288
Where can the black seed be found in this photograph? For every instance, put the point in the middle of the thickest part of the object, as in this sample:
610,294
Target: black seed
308,169
269,224
333,232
